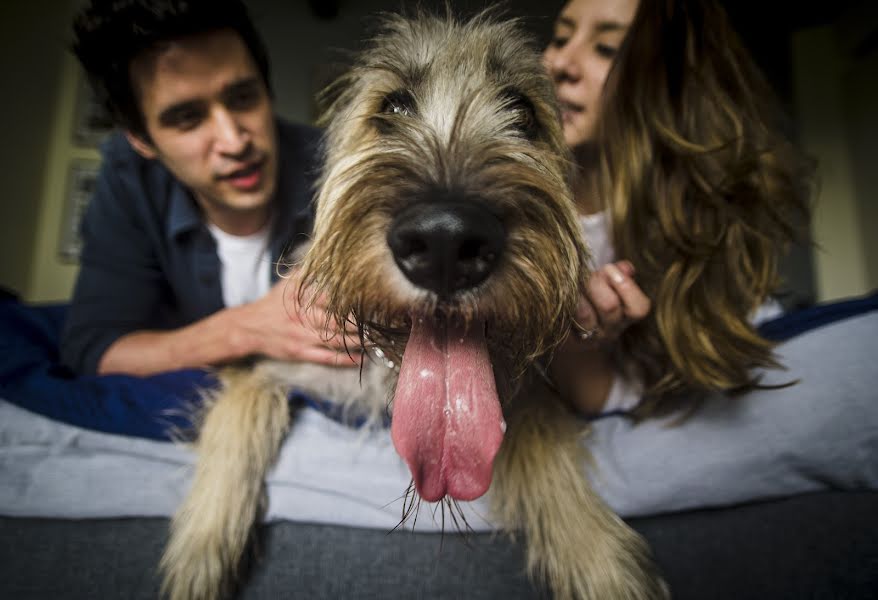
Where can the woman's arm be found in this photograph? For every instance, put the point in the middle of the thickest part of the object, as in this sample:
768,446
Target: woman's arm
582,368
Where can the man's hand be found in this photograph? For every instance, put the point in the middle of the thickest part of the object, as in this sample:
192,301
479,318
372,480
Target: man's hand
277,326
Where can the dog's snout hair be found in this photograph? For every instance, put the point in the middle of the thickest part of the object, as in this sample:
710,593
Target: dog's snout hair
446,230
442,111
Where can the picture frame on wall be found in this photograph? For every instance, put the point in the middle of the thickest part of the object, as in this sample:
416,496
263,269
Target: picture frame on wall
92,122
81,181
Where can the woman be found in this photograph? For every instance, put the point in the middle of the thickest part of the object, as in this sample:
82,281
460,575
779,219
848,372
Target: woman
684,182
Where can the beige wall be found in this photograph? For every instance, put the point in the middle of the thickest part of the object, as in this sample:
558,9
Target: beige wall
860,86
836,89
32,43
52,277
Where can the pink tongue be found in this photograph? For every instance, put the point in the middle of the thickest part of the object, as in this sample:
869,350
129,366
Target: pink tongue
447,423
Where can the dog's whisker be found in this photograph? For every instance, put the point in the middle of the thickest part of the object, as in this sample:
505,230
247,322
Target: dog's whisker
442,528
401,497
466,530
410,506
417,512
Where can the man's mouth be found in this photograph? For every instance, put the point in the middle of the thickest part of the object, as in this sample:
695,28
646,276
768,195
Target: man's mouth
247,178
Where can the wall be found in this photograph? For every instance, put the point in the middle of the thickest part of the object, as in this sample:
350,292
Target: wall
52,276
31,48
836,89
858,36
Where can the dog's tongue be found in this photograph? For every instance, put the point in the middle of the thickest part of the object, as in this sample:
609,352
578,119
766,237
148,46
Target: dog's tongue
447,423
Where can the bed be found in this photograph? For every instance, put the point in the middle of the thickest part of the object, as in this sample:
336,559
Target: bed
770,496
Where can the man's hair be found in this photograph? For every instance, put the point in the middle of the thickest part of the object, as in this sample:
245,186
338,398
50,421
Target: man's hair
705,190
109,34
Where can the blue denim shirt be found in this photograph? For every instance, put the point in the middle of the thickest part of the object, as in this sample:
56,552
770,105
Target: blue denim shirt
148,260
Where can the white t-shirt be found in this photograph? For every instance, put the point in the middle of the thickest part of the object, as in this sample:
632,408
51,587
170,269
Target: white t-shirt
596,231
245,265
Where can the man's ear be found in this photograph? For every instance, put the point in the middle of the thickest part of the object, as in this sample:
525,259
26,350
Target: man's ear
141,146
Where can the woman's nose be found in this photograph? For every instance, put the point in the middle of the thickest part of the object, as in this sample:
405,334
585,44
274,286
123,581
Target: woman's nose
562,62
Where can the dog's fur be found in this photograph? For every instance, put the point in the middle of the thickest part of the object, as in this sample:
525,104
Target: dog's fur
435,109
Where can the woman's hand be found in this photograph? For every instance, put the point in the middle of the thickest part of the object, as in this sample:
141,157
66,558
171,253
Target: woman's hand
612,302
581,368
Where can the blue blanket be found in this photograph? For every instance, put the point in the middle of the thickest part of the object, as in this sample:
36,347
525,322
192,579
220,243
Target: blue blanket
155,407
32,377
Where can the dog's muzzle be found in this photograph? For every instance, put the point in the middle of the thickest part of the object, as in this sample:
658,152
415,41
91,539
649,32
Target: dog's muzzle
446,246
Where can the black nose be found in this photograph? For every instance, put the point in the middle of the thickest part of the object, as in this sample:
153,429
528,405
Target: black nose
446,246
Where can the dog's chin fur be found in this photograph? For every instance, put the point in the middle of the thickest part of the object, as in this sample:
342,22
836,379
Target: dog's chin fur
484,123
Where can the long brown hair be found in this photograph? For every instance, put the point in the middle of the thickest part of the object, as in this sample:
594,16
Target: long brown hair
705,192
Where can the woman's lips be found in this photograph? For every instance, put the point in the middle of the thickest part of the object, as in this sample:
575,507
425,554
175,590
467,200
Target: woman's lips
569,110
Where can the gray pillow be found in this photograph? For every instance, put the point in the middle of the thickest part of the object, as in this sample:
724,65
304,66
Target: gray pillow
819,434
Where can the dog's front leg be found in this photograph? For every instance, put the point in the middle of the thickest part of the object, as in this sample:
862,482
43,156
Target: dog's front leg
575,543
238,441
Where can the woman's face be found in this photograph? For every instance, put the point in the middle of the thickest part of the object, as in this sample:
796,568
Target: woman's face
587,36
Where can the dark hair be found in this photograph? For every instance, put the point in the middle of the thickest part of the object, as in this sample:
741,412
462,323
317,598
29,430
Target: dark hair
705,190
109,34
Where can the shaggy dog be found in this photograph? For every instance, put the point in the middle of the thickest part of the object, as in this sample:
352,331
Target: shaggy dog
445,230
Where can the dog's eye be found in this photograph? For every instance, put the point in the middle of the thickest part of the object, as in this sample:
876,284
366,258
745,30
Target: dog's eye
399,103
395,104
525,118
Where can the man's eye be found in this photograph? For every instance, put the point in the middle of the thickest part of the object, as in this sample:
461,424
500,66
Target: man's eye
185,118
243,99
189,120
559,41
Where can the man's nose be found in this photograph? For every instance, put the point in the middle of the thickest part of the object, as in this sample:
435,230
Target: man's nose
231,138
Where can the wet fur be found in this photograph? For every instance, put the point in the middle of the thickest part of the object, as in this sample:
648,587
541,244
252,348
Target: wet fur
484,123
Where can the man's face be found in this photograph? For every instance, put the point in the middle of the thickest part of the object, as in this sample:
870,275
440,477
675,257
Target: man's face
210,122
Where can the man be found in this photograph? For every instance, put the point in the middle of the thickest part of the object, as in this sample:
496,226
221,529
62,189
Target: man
197,198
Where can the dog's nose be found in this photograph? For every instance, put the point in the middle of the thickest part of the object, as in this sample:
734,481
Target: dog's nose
446,246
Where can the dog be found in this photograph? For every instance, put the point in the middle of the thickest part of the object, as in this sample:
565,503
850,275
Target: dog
446,232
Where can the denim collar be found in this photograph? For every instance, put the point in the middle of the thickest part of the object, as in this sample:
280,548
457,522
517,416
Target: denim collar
184,214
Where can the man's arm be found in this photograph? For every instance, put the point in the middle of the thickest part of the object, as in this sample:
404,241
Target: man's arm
120,282
275,326
112,320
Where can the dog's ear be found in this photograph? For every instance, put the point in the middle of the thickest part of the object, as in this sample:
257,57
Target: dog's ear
141,146
333,97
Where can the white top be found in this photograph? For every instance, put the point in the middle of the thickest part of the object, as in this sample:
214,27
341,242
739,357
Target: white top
245,265
596,231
